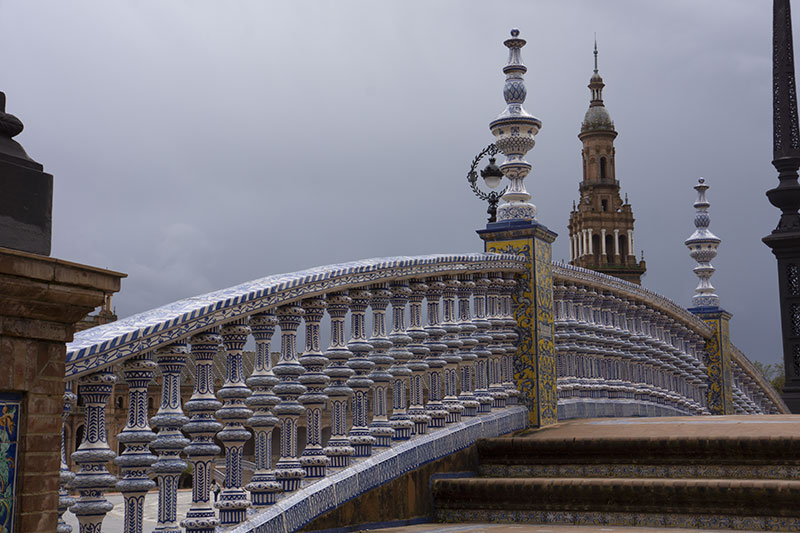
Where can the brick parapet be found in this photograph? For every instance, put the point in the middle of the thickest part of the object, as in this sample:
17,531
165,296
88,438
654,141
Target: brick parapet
41,298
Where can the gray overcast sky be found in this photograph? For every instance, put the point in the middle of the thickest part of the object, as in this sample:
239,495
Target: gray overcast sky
196,145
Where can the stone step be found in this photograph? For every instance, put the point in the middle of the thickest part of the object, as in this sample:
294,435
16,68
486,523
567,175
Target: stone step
646,502
749,457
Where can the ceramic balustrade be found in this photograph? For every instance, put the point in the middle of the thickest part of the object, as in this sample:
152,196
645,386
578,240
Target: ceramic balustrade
288,470
314,400
435,407
136,459
201,428
379,428
418,364
452,359
612,344
400,372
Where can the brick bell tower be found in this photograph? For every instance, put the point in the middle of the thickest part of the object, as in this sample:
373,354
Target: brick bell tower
601,224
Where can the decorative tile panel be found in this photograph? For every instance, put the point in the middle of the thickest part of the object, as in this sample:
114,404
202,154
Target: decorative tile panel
10,408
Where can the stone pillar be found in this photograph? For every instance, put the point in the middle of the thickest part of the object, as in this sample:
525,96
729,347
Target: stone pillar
717,358
170,441
93,479
40,300
535,360
202,426
232,502
136,460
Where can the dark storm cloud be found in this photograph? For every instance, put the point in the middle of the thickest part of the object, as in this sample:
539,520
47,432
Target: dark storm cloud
196,145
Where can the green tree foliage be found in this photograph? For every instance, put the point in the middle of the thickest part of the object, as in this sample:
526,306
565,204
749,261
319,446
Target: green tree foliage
773,373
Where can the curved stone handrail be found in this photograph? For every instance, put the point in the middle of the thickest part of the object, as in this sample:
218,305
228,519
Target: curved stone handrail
109,344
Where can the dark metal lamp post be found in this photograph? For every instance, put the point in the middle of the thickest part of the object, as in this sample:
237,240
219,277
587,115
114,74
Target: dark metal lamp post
785,239
492,175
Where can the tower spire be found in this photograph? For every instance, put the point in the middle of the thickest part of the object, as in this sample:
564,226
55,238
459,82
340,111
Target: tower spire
595,53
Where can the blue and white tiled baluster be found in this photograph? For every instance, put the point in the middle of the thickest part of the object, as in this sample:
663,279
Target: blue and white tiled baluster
401,374
435,408
379,427
201,428
360,438
468,346
451,339
510,341
263,486
232,502
418,365
288,470
484,338
338,391
314,461
65,474
169,442
496,389
134,462
93,479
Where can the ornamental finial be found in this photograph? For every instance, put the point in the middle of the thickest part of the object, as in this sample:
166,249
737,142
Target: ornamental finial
515,129
595,53
702,246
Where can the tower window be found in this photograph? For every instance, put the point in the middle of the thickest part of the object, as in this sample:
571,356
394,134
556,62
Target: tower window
603,169
604,205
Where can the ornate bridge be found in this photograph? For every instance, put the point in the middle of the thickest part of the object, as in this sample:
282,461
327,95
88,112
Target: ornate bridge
507,340
435,382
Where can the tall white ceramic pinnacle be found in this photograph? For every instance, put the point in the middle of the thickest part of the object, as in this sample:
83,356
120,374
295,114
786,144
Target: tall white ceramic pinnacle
515,129
702,246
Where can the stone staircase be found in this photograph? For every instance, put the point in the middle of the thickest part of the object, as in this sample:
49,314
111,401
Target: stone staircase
710,473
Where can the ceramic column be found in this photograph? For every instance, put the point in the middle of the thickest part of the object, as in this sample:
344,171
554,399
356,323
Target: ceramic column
452,358
360,438
288,471
135,461
65,474
201,428
379,427
468,346
169,442
314,461
232,502
435,408
496,389
339,392
418,362
93,479
263,486
484,339
401,374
